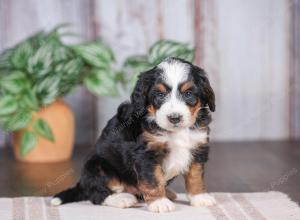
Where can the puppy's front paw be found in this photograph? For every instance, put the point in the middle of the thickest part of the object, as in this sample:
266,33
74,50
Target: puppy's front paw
161,205
202,199
120,200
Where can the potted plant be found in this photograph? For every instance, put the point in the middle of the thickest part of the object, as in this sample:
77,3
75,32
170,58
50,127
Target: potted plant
34,76
38,72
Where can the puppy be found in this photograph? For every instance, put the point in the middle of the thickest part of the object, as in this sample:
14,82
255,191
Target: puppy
161,133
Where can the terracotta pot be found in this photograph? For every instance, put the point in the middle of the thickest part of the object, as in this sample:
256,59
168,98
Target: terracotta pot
60,118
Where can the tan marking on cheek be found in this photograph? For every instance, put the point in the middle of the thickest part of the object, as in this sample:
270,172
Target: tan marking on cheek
195,109
154,191
161,87
151,110
186,86
153,142
194,179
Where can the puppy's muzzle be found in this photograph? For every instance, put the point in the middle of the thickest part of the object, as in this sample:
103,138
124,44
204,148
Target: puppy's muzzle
175,118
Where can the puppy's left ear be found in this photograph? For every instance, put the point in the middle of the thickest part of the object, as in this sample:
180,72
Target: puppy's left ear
140,92
205,91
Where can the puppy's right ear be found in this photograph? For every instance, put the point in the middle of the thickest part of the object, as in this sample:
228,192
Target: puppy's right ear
141,89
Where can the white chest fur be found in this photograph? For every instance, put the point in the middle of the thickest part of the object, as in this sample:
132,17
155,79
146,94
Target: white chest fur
180,144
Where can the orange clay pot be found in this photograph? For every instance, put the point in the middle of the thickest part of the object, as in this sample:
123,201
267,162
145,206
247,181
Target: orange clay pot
60,118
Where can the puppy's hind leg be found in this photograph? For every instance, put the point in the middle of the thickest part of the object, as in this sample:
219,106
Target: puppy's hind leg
119,198
93,181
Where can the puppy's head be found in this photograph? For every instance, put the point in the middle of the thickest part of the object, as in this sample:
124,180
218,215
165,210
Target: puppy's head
172,93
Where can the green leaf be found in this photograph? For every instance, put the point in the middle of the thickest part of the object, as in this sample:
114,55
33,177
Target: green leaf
18,121
101,83
70,69
5,59
42,128
136,65
29,100
61,53
134,61
15,82
37,39
96,54
8,105
40,63
186,54
120,77
60,26
28,142
4,118
21,55
70,73
166,48
47,89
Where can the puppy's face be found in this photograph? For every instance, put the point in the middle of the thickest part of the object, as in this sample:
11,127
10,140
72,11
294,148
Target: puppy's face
174,91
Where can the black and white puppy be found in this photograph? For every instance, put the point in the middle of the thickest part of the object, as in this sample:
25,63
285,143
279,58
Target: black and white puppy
161,133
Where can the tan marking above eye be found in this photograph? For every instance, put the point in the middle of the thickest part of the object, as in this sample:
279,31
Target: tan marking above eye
161,87
186,86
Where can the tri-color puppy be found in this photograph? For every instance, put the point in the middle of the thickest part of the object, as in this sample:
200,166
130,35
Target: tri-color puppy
161,133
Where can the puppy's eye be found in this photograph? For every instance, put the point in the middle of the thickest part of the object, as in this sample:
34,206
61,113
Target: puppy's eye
160,95
187,94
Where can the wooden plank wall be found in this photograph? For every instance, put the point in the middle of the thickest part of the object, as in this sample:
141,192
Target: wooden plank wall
243,45
246,52
295,69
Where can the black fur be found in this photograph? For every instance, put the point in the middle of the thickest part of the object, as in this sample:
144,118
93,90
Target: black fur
122,153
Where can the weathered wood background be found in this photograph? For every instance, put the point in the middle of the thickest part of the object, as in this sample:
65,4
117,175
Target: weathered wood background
250,50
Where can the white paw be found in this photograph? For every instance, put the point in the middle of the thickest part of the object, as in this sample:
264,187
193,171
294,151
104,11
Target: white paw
161,205
55,201
120,200
202,199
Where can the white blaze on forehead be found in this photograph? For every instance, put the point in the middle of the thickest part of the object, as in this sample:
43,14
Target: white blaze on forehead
174,72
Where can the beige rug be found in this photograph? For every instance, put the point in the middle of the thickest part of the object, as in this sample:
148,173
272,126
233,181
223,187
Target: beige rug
240,206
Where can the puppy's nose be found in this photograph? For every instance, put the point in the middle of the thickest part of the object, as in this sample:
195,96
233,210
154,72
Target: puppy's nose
174,118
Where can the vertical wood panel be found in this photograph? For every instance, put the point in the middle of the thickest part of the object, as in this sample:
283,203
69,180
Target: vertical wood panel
246,50
178,20
295,69
22,18
2,7
128,28
198,28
